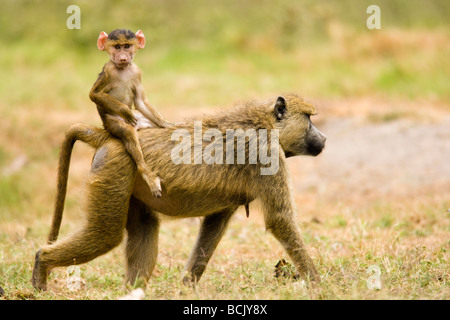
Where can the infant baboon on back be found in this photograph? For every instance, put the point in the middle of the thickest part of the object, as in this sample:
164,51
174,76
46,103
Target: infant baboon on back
117,88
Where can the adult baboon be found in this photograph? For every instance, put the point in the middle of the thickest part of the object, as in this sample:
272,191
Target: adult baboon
118,198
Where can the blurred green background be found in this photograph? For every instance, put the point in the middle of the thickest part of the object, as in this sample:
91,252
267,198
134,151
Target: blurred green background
213,52
204,55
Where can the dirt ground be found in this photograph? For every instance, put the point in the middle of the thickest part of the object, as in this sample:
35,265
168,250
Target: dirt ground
375,155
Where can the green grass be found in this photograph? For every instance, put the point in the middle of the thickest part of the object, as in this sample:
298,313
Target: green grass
243,265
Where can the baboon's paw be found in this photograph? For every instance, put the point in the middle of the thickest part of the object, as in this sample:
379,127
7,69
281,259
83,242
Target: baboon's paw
39,277
154,183
156,188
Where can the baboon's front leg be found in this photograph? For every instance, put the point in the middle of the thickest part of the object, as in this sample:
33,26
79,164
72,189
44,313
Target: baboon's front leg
279,220
211,231
289,236
142,242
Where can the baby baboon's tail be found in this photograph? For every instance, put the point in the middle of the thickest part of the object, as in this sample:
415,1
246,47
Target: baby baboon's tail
94,137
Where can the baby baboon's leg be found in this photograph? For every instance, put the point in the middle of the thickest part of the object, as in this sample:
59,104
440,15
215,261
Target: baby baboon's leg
130,139
211,231
142,243
279,220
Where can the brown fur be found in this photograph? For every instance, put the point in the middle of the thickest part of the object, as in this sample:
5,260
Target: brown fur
118,199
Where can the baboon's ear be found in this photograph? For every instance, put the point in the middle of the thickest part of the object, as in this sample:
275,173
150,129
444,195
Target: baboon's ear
141,39
280,108
101,41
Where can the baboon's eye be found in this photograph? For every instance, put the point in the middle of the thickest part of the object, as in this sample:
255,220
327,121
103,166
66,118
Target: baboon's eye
117,46
127,46
308,116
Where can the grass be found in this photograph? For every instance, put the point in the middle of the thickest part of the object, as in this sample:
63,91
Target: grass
412,257
202,58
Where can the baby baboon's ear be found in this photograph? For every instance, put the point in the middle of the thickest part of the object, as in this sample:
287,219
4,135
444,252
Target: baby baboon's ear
280,108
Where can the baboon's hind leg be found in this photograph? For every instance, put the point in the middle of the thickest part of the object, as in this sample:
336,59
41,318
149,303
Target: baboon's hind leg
142,242
108,196
211,231
81,247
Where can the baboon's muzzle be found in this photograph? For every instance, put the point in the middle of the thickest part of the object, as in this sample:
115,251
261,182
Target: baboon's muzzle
315,141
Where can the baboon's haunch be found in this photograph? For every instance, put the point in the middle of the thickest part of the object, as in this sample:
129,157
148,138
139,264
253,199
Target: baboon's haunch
117,88
118,198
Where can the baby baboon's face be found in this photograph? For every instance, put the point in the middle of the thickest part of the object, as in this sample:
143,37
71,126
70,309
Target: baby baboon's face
298,135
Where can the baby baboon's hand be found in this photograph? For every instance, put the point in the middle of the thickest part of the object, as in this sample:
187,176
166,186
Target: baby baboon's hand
131,120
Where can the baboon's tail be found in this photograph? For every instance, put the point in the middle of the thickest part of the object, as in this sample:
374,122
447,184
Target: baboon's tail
94,137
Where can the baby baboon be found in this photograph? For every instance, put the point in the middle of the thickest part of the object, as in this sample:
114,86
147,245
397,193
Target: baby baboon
117,88
119,199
